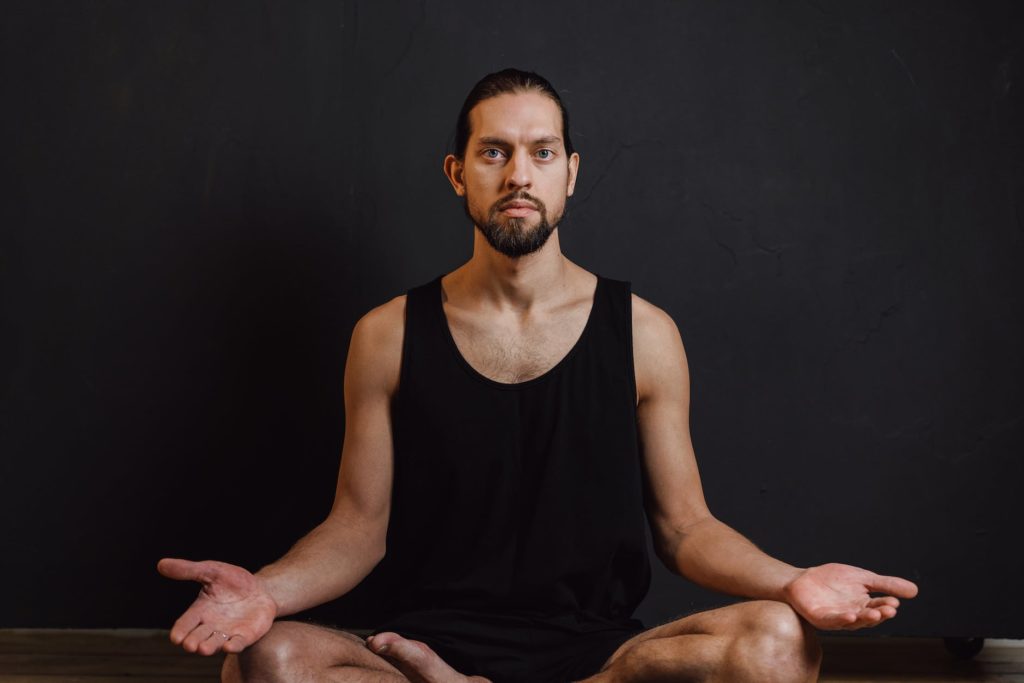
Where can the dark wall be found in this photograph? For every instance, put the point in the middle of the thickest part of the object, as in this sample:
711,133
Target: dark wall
201,199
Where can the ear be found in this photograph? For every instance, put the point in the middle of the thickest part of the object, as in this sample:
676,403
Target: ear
453,170
574,167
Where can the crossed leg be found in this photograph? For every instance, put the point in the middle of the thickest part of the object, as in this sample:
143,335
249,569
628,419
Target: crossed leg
297,652
759,640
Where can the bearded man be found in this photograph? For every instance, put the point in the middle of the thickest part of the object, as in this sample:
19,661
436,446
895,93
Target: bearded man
508,425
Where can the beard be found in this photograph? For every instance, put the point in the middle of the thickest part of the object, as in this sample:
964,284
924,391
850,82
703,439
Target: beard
512,235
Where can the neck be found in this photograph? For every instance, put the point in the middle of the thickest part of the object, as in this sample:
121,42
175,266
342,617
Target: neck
492,279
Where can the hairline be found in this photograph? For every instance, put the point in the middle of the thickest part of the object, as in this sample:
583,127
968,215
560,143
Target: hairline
519,89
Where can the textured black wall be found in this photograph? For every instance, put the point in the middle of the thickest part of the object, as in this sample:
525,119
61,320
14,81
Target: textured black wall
201,199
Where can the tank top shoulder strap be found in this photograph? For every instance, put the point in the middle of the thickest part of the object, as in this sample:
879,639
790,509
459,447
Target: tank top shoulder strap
617,300
420,340
614,322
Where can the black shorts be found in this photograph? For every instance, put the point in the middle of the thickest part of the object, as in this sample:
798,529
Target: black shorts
520,648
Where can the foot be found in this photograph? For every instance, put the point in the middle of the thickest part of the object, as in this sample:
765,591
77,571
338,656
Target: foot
416,660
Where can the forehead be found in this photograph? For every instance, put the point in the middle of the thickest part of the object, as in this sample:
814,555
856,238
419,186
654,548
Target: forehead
525,115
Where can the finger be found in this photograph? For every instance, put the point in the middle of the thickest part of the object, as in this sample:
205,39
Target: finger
198,635
183,626
837,620
210,645
893,585
881,602
236,644
216,640
888,612
867,617
850,621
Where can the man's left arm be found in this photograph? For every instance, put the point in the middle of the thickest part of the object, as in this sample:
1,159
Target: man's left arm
690,541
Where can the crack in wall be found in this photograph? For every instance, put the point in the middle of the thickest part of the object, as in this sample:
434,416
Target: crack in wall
611,162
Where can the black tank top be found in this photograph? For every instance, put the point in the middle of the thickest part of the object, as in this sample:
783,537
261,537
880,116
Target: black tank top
517,497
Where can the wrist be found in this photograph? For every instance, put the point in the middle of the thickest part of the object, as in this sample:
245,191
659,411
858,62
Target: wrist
789,577
270,590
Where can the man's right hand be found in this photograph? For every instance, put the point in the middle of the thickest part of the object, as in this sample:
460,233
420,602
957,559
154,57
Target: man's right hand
233,609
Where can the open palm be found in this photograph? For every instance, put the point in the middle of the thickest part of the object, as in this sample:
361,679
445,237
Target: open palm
233,609
837,596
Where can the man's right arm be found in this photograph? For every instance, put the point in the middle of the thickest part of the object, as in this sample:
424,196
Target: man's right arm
340,552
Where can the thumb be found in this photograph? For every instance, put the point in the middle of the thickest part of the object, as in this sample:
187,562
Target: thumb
893,585
182,570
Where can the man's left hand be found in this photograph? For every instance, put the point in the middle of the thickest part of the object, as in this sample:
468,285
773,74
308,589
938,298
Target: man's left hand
836,596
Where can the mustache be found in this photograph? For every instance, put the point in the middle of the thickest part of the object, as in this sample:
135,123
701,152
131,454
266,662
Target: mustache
518,197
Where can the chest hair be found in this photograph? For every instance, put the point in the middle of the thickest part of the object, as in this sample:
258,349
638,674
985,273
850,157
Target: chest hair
509,351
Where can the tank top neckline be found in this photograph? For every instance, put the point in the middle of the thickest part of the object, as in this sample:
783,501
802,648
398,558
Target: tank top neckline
438,305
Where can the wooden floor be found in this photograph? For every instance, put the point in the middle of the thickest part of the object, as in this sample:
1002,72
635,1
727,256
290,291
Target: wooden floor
105,656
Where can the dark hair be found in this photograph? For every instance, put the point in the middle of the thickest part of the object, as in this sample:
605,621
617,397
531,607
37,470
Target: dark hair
500,83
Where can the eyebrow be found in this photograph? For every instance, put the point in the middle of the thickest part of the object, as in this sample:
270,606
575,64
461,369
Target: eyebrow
546,140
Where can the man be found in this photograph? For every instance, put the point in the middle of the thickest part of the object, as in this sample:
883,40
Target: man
507,424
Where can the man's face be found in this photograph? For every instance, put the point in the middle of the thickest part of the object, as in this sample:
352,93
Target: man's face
515,176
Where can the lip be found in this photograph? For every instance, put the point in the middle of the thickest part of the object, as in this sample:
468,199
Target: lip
521,210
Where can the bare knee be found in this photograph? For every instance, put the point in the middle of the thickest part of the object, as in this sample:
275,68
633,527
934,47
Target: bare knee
274,656
282,654
774,643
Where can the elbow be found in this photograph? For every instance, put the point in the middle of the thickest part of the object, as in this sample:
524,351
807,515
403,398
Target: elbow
672,536
360,536
378,547
666,547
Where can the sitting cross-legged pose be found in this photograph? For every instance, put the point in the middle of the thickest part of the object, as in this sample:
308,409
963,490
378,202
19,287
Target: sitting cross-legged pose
507,426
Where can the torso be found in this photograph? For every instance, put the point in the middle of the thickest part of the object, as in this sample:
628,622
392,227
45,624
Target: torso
508,497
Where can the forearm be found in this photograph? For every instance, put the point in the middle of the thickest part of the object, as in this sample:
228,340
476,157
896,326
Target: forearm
713,555
323,565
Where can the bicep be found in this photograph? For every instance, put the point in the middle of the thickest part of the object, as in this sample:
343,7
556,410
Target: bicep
674,496
363,489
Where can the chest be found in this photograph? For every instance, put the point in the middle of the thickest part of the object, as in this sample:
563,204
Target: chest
509,351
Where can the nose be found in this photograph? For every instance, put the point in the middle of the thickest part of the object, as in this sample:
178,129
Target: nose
520,170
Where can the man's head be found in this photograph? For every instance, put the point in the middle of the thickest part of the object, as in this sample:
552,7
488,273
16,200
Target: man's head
512,148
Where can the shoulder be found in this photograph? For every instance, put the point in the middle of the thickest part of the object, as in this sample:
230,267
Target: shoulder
653,328
375,351
650,318
658,355
384,321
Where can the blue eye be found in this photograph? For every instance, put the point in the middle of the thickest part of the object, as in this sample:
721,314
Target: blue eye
487,153
548,151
